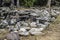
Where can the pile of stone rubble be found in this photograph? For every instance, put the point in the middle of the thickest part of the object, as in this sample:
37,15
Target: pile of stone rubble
29,21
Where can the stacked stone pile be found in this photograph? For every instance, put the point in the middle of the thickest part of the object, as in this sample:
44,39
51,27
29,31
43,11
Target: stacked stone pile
31,21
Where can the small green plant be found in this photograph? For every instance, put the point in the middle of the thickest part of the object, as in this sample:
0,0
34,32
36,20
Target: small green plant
29,3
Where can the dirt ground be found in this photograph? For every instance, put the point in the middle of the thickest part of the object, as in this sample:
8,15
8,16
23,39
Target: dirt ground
51,33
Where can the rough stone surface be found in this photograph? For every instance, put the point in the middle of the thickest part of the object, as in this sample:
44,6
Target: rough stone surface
22,20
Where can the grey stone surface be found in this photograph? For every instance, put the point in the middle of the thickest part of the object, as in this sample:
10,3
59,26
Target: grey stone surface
33,24
23,31
22,20
12,36
36,31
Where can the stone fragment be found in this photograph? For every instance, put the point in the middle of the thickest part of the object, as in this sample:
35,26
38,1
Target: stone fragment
23,31
36,31
33,24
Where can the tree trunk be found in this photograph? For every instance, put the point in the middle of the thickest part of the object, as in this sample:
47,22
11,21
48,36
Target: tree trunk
12,3
18,3
49,5
2,2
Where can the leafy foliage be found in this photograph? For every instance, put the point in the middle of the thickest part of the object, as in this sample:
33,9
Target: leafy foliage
29,3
